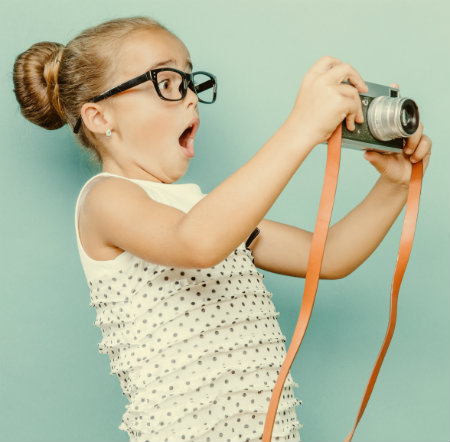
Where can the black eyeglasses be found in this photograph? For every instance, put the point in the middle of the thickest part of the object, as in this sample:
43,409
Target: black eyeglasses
170,84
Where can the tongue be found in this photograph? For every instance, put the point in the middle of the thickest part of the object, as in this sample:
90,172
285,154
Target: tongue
189,147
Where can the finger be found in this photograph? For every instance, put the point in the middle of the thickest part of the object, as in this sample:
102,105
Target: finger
422,150
350,122
395,85
324,64
344,72
352,92
349,110
413,140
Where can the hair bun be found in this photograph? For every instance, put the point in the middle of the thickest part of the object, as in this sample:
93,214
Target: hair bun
36,85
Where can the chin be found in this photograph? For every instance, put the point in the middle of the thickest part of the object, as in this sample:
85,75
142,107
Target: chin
180,172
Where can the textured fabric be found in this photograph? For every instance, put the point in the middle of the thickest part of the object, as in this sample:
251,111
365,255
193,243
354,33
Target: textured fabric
197,351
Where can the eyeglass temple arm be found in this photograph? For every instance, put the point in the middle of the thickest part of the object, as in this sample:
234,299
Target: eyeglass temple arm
122,87
205,85
115,90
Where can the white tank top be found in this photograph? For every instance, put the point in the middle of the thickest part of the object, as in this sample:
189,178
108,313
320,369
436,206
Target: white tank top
197,351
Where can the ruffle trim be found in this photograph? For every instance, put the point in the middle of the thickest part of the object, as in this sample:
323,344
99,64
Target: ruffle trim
139,386
110,291
131,422
105,317
183,400
196,434
155,302
125,340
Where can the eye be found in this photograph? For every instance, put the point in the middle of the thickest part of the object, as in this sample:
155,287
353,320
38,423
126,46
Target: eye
164,84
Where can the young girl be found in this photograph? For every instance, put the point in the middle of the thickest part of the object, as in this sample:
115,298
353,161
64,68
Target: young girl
190,329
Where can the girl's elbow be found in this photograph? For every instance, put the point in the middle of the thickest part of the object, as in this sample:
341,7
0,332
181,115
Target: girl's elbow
330,276
207,255
335,273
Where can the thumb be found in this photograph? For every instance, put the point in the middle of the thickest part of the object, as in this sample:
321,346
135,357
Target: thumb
377,160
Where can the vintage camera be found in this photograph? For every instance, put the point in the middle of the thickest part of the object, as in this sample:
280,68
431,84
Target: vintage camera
388,121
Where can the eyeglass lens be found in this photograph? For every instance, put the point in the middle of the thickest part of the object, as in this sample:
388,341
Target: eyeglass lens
171,85
204,87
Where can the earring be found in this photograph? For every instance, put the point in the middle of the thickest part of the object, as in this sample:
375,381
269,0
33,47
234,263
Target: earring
108,133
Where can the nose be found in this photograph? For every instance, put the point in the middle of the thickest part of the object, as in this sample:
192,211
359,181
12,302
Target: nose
191,96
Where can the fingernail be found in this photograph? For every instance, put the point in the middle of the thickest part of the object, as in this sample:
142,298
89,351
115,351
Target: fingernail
408,151
413,160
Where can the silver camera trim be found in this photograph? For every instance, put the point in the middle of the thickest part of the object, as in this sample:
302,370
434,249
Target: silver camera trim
356,145
375,90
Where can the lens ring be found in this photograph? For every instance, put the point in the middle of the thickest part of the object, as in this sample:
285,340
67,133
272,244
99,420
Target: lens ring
385,117
410,122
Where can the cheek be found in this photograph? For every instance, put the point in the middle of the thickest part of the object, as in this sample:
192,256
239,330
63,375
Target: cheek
145,123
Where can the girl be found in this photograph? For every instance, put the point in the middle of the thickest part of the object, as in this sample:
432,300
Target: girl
186,320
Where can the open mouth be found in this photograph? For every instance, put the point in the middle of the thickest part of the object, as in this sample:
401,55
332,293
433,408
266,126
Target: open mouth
186,139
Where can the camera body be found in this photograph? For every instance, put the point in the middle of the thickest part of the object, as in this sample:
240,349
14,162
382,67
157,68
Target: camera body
388,121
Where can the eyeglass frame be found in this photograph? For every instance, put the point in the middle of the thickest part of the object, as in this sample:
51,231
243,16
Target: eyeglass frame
151,75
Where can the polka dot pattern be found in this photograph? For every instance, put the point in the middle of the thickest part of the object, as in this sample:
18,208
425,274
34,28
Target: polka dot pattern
197,351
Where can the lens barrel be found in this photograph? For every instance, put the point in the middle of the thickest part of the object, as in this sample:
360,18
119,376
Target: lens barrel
392,117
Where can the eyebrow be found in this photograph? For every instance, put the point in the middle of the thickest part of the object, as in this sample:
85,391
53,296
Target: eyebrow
162,63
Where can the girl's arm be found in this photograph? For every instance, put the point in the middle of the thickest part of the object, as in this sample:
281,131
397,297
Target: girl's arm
228,215
284,249
122,216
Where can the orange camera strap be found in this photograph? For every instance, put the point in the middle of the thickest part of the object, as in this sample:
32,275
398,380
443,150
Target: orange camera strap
315,263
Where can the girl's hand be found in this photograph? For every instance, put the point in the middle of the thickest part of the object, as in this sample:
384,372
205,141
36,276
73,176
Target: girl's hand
396,167
323,101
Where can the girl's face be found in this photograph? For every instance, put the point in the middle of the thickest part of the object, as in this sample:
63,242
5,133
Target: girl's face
145,140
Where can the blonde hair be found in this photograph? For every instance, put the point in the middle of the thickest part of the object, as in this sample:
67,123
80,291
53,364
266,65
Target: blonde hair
53,81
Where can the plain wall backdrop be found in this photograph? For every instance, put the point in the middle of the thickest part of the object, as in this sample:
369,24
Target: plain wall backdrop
55,386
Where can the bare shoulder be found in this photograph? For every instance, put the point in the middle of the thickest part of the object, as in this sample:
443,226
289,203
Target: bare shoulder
111,191
101,199
118,215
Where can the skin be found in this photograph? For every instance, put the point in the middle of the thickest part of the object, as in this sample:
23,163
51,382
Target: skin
285,249
145,128
144,145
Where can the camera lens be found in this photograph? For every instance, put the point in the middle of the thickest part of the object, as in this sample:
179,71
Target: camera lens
392,117
409,116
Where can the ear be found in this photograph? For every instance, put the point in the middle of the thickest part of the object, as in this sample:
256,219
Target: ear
95,118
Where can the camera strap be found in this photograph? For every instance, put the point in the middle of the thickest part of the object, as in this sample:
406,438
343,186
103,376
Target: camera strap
313,272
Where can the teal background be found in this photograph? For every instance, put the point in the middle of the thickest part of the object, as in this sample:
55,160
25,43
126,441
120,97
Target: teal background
55,386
